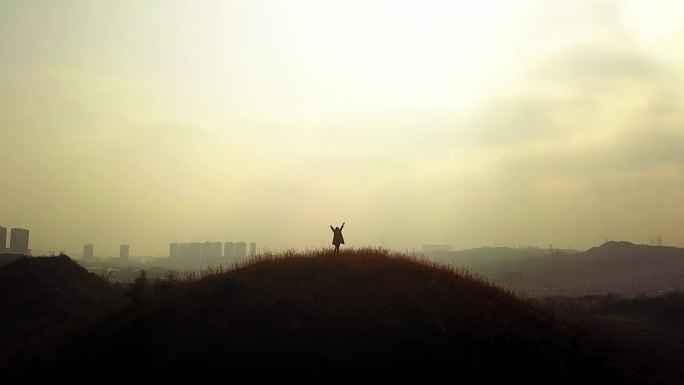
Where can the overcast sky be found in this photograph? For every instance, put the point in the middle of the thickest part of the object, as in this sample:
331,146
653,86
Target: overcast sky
464,122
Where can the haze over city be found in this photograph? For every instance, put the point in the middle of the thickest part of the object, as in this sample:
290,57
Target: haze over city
465,123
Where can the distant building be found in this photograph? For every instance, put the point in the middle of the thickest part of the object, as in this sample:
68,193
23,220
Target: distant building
240,250
88,252
195,250
431,248
212,250
252,249
228,251
124,252
190,250
184,251
19,241
173,250
3,238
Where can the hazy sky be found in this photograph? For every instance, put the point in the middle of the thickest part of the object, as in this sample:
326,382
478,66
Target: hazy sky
464,122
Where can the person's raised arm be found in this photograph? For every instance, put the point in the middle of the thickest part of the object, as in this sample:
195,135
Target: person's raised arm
341,227
331,228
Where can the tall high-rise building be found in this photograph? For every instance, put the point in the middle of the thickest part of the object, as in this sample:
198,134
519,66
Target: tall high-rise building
228,251
173,250
183,250
240,250
19,241
3,238
252,249
190,251
88,252
195,250
211,250
124,251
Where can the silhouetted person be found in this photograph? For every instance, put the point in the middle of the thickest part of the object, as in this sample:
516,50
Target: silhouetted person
338,239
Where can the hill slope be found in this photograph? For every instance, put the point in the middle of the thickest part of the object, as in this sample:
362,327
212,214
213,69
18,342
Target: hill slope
361,313
6,258
40,295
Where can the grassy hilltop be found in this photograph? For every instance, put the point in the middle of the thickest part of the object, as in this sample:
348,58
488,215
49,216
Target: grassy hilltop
315,315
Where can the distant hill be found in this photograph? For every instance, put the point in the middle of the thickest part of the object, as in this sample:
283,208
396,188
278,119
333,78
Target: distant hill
624,249
321,317
40,296
618,267
487,255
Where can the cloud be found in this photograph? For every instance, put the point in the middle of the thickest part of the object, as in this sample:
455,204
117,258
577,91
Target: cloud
591,69
513,120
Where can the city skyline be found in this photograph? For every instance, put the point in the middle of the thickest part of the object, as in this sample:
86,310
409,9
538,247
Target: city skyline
217,250
199,251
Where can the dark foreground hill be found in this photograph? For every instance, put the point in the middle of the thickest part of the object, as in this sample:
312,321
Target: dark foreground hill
322,317
650,329
6,258
46,295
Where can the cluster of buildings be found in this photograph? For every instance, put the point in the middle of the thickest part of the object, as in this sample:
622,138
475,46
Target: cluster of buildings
19,241
89,252
192,253
206,251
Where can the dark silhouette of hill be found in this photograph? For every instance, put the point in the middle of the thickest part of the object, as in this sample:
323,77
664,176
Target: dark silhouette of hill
618,267
648,328
42,296
361,314
7,258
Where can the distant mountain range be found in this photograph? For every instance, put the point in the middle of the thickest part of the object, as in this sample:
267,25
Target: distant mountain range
614,267
493,254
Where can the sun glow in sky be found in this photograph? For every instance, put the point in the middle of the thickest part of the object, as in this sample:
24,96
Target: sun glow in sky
464,122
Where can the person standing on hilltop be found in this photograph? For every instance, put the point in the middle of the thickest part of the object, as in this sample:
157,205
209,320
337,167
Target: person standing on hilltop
338,239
